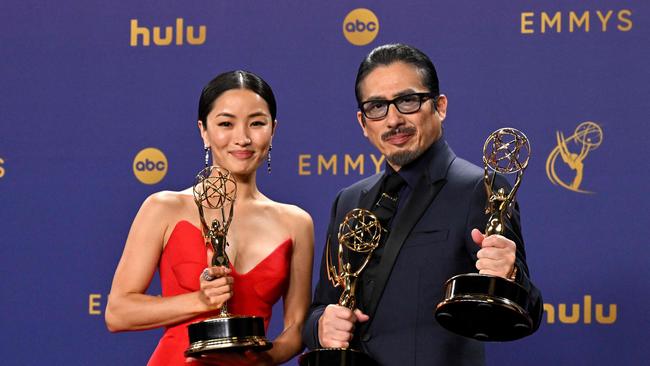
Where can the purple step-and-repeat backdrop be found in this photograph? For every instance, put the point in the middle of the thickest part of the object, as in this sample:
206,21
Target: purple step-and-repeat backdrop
98,110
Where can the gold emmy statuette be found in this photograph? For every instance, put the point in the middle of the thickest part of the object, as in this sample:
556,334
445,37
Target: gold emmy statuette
485,307
359,233
216,190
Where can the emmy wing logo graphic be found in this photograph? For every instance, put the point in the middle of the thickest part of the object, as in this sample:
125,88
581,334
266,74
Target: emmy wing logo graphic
573,151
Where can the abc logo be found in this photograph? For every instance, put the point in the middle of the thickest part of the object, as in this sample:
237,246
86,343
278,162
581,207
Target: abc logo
150,165
360,27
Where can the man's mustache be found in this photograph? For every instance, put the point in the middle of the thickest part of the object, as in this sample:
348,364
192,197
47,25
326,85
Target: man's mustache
406,130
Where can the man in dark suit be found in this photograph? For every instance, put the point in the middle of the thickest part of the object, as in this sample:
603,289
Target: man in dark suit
432,233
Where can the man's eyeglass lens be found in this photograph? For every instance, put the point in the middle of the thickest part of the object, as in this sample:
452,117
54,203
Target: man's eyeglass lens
410,103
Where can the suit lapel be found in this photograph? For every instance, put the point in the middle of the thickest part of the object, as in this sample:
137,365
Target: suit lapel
404,221
367,199
419,200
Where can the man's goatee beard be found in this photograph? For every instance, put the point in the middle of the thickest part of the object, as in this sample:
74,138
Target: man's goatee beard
402,158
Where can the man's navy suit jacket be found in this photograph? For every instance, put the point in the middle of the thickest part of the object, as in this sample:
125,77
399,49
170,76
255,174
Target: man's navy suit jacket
429,242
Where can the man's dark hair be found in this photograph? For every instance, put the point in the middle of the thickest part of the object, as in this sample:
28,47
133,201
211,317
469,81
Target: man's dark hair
390,53
237,79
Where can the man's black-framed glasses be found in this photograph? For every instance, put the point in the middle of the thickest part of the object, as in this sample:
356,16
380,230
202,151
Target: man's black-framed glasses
406,104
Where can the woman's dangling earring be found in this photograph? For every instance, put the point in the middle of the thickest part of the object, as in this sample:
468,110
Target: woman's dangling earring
207,156
268,159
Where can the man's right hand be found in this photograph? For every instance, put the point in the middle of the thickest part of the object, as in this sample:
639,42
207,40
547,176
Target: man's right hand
336,326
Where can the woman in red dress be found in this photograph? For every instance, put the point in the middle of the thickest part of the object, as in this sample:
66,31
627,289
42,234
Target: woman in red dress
270,243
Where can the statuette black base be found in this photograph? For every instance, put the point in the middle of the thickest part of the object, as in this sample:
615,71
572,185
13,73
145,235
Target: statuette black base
227,334
486,308
335,357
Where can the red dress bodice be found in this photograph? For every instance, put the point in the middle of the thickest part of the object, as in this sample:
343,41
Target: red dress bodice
254,292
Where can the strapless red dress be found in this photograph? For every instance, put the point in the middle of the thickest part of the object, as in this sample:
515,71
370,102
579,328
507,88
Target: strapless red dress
254,292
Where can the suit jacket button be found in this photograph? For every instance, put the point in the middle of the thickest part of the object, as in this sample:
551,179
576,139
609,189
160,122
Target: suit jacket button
365,338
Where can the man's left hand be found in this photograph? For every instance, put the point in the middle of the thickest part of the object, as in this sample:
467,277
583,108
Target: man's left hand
496,256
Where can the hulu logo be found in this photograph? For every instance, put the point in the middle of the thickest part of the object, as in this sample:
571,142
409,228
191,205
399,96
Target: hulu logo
588,310
178,34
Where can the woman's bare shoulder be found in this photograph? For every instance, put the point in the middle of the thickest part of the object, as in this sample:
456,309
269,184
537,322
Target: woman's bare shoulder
293,215
168,202
290,210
